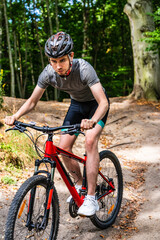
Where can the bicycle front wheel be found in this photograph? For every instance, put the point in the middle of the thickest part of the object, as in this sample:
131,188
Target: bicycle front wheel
109,200
16,226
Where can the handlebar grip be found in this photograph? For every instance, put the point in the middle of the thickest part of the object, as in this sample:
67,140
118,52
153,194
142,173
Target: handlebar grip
77,125
15,122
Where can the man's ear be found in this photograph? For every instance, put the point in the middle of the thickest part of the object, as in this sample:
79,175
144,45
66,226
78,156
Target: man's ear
72,54
49,60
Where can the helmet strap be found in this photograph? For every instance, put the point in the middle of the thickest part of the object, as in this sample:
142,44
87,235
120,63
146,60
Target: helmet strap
70,68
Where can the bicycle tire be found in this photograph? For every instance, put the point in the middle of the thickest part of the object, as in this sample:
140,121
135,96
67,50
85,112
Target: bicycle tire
109,206
17,215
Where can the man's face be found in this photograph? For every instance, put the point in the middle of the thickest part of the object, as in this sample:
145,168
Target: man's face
62,64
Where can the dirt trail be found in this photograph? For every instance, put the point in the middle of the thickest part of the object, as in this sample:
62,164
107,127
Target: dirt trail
133,134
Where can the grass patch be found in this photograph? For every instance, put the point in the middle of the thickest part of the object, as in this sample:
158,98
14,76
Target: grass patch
11,168
13,171
18,150
8,180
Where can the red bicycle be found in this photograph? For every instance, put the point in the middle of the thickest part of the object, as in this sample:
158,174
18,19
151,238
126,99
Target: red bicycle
34,212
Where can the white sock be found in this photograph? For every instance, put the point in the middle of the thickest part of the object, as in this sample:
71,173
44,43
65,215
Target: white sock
91,196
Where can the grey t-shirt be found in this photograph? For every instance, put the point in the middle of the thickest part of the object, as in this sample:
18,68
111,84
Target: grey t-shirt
77,84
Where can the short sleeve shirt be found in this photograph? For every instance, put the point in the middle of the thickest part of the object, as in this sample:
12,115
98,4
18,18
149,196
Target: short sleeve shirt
77,84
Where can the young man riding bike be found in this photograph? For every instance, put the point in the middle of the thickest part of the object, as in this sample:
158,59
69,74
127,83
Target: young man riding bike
89,106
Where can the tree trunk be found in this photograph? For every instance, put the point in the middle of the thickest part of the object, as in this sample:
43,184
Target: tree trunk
9,51
51,33
32,71
85,29
49,18
20,67
56,91
1,35
56,14
146,63
37,34
39,45
94,37
16,64
26,54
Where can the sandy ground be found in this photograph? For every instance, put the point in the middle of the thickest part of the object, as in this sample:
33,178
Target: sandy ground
133,134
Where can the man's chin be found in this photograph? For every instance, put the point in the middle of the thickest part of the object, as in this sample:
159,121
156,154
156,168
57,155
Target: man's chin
61,73
62,76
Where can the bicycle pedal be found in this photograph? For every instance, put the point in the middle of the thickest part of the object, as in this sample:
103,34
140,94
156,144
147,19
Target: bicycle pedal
82,216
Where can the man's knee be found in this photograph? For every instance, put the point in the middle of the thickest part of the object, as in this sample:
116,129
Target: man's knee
65,147
90,142
92,138
66,143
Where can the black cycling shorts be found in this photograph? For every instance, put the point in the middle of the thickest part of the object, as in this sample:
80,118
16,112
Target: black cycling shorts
83,110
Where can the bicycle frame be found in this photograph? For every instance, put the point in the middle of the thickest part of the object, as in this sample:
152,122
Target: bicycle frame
51,156
52,152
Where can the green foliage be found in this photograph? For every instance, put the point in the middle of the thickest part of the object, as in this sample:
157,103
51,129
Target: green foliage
108,32
11,174
12,169
153,38
120,85
1,88
5,147
8,180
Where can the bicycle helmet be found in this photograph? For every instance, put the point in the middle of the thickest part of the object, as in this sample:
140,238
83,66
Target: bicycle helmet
58,45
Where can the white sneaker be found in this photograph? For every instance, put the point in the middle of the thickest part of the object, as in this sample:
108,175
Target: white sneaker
89,207
78,187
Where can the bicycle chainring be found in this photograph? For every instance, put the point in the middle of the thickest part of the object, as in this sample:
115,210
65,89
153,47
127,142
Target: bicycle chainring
73,208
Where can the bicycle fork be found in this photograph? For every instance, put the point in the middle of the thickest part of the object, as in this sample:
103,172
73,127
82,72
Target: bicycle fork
49,194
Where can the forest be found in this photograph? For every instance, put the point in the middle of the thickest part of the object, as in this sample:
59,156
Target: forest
120,38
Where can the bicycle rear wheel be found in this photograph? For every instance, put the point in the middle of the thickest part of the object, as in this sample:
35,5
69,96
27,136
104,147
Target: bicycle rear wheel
110,204
17,216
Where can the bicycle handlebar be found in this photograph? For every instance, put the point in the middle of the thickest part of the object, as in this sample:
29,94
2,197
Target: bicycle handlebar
20,126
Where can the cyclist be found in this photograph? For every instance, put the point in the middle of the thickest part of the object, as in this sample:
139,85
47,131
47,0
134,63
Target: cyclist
89,106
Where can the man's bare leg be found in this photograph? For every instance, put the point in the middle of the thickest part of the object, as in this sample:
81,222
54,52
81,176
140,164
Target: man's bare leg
90,204
92,165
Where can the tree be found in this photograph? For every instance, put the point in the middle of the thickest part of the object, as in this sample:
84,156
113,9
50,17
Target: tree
99,29
0,33
1,71
56,15
85,28
51,33
21,79
38,41
9,51
146,63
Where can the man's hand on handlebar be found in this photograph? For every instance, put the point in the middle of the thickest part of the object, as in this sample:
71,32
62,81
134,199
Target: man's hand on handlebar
9,120
87,124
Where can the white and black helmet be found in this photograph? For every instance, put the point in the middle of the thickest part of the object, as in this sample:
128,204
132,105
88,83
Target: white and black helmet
58,45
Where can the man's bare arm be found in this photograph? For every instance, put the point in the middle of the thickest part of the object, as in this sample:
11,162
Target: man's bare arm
27,106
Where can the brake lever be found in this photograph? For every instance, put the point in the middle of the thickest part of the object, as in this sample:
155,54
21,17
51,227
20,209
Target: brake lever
68,131
20,129
72,132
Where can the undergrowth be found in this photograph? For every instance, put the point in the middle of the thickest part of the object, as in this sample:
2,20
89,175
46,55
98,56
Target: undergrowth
8,180
16,149
16,153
